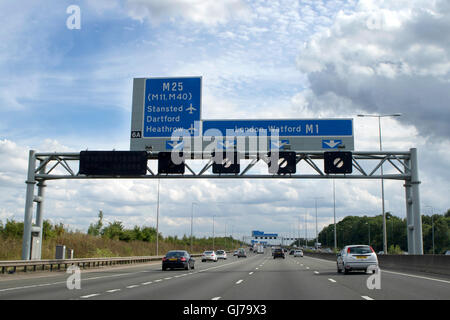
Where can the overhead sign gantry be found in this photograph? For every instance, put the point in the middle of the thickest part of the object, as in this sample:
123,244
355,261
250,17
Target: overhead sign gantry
167,127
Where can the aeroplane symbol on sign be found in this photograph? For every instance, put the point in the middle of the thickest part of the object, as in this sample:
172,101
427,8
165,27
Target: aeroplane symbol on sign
174,145
191,109
331,144
192,129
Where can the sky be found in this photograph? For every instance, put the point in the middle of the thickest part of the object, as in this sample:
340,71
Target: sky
64,89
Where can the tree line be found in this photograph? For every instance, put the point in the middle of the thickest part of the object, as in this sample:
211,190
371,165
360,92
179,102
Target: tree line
117,231
357,230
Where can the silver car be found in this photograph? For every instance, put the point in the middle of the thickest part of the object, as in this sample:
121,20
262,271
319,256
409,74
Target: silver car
298,253
221,254
209,256
356,257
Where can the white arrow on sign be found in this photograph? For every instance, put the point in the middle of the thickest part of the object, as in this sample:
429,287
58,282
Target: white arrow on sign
279,144
225,145
175,144
332,143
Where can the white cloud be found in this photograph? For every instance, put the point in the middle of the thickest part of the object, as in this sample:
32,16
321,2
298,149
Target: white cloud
209,13
385,58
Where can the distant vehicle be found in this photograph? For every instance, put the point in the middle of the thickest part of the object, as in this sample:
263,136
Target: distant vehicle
447,253
221,254
235,253
291,252
209,256
298,253
260,249
278,253
356,257
177,259
241,253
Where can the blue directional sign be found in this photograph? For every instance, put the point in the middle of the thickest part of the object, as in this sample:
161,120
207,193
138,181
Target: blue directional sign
171,105
331,143
284,128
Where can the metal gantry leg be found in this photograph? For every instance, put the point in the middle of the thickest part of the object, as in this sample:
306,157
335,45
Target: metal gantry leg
36,251
416,214
29,198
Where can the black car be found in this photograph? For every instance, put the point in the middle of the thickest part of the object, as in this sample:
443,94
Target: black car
291,252
278,253
177,259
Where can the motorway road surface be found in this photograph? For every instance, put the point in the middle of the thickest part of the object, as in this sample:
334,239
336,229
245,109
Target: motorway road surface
257,277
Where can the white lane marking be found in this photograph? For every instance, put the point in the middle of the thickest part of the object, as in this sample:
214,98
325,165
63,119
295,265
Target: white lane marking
251,273
90,296
168,278
103,277
256,268
367,298
332,280
414,276
239,281
215,298
146,283
301,265
113,290
158,280
307,268
392,272
316,272
132,286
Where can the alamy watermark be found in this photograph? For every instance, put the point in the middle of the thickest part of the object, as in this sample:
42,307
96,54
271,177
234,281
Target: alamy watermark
74,20
374,281
74,280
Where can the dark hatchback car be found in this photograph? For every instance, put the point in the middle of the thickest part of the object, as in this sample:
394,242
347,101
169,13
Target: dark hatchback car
178,259
278,253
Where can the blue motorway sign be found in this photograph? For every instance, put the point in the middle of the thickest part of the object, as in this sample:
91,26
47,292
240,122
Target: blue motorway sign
171,105
284,128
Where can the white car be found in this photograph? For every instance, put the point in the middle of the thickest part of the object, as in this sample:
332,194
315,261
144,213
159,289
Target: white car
221,254
298,253
356,257
209,256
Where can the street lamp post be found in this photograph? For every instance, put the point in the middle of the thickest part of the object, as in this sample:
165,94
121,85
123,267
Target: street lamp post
192,223
381,168
432,225
334,213
315,202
